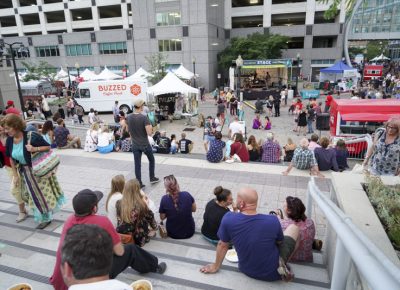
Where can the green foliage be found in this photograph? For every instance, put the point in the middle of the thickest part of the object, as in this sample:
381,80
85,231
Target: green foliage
386,201
334,7
353,51
254,46
376,47
41,71
156,63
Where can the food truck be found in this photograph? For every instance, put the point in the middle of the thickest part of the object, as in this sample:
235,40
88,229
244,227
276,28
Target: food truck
101,95
372,72
355,118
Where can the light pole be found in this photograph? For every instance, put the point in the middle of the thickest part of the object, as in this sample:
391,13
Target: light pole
239,64
298,72
11,51
69,77
124,71
194,71
77,66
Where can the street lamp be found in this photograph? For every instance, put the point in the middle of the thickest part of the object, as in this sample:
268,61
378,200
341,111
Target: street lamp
298,72
124,71
77,66
69,77
239,64
194,71
11,51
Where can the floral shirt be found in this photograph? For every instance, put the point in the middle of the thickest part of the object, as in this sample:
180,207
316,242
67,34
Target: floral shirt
139,228
215,153
307,235
386,157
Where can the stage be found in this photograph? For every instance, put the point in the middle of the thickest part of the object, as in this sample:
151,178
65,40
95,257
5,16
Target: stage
254,94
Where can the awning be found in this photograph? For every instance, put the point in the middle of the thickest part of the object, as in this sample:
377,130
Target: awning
368,117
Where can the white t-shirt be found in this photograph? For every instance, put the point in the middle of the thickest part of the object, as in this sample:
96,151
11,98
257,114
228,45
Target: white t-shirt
102,285
112,210
236,127
217,123
90,117
104,139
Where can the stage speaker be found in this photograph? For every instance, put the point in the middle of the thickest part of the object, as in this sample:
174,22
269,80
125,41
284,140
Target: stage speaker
323,122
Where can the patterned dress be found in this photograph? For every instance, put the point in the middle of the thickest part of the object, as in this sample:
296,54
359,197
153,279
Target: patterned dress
386,157
307,235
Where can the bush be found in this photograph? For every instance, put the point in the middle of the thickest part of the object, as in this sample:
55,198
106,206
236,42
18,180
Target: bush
386,201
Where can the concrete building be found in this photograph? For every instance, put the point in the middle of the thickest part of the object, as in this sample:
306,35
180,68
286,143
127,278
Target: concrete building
378,20
98,33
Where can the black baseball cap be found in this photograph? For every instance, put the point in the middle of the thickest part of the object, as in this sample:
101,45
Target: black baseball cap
84,201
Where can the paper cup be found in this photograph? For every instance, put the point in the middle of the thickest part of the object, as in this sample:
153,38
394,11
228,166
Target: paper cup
21,286
146,285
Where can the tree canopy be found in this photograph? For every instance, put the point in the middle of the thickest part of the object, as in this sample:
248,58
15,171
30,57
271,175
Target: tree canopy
334,7
156,63
41,71
254,46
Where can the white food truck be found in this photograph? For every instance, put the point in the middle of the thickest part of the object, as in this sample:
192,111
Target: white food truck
101,95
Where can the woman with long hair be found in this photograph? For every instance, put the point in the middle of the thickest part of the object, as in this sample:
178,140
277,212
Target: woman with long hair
253,148
43,195
288,150
239,148
134,216
48,133
214,212
117,186
91,139
177,207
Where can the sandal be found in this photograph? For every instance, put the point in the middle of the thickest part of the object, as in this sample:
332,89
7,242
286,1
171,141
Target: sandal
285,272
43,225
21,216
317,245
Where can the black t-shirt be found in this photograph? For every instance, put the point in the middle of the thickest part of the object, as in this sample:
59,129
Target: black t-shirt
164,145
221,108
184,145
137,129
212,219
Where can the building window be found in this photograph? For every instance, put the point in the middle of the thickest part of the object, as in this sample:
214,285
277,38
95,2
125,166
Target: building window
112,48
45,51
168,18
322,61
160,1
78,49
245,3
170,45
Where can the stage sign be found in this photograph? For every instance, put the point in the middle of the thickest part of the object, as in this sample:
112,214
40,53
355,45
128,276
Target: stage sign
267,63
307,94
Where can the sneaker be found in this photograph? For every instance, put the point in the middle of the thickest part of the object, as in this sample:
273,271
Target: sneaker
43,225
154,180
161,268
284,271
21,217
142,185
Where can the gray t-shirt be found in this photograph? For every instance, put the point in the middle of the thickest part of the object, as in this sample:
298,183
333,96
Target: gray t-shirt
221,108
137,129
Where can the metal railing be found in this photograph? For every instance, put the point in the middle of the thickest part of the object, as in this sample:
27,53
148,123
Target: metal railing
357,146
353,245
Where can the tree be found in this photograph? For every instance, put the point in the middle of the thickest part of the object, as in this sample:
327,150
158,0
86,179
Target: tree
156,63
376,47
41,71
254,46
334,6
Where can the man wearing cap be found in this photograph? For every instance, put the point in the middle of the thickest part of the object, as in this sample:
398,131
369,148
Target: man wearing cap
85,205
11,109
139,128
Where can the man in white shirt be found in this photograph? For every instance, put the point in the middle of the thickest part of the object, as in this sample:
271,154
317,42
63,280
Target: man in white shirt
87,268
235,127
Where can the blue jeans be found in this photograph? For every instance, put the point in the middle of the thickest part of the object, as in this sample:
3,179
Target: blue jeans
309,126
174,149
137,154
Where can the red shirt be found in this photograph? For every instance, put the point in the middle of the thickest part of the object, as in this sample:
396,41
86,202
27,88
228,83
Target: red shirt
241,150
3,152
56,279
12,110
328,100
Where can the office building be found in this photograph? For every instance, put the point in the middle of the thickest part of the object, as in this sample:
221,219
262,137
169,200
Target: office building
98,33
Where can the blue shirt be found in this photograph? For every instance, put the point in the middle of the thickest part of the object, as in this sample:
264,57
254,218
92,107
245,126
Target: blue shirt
180,222
215,153
254,238
18,153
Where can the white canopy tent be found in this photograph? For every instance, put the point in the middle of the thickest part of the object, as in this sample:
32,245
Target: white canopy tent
184,73
380,58
171,84
61,74
106,74
140,74
88,75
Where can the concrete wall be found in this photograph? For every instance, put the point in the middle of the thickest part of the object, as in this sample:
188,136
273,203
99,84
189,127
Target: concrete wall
8,88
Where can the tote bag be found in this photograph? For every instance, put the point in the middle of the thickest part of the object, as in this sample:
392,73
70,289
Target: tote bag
44,164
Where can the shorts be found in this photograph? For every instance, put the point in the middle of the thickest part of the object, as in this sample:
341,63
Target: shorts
286,248
208,138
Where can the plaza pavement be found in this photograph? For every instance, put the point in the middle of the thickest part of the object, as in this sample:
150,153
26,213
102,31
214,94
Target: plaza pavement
28,255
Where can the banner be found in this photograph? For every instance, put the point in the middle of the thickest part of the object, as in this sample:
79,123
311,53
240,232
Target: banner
267,63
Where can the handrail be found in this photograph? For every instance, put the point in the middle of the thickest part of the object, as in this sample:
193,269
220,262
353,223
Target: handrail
376,268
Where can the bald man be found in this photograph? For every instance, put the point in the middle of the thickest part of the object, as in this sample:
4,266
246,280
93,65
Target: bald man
304,159
262,248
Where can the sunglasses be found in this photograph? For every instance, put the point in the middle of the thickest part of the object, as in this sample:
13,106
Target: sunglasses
391,127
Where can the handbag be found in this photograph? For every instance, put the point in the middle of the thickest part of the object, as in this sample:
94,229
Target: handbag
162,230
126,238
44,164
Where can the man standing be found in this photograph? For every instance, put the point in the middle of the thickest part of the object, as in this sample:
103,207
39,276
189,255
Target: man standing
310,118
139,128
251,234
85,204
221,109
115,110
277,106
328,102
235,127
84,267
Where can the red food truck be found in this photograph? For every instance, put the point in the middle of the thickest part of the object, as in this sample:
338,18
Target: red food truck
372,71
355,119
